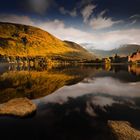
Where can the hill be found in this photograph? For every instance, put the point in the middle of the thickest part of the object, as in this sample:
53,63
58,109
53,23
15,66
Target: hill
21,40
123,50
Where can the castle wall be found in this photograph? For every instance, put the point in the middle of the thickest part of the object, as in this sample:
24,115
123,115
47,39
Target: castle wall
135,57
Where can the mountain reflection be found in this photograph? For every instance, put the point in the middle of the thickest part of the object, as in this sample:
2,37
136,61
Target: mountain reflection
31,83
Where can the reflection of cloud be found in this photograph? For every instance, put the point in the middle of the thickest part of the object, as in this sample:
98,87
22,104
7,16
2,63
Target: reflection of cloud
90,110
102,101
93,106
100,86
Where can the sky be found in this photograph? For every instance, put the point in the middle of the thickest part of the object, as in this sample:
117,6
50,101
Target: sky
95,24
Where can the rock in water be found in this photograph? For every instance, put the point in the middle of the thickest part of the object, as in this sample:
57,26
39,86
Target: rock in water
20,107
123,130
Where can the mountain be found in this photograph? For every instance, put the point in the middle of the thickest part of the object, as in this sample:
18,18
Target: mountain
22,40
123,50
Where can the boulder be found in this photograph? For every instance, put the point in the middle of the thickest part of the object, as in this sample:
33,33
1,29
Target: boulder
123,130
20,107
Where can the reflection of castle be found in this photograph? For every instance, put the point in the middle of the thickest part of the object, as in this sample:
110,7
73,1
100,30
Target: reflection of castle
134,69
134,57
115,59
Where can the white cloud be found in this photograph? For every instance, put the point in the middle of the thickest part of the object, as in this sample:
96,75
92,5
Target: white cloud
49,25
101,22
112,39
58,28
72,13
103,40
87,11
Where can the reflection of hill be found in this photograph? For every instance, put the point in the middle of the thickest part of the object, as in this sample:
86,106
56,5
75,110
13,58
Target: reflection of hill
31,84
36,84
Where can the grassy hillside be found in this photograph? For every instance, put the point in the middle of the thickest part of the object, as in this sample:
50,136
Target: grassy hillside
22,40
124,50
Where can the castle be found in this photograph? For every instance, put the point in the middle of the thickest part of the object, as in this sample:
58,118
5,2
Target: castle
134,57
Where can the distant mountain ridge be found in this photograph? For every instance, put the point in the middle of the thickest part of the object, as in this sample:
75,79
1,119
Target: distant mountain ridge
22,40
124,50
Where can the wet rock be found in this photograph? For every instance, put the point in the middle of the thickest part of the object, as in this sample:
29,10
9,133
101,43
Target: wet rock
20,107
123,130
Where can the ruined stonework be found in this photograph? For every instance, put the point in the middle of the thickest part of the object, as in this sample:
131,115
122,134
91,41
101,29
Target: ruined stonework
134,57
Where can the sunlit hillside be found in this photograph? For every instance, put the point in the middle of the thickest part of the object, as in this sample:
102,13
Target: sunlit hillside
22,40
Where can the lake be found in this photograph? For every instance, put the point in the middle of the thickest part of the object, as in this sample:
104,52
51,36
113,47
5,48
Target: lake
73,102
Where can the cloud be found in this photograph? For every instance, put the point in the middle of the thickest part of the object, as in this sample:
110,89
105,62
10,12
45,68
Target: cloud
39,6
84,3
101,22
49,25
72,13
87,11
135,16
134,19
133,22
60,30
16,19
113,39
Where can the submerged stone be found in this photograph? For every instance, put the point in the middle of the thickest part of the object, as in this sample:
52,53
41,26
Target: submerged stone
20,107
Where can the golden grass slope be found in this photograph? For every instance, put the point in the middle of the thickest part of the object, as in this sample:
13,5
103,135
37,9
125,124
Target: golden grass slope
22,40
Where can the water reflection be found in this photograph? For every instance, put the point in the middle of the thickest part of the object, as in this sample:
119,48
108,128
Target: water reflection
84,99
104,98
36,82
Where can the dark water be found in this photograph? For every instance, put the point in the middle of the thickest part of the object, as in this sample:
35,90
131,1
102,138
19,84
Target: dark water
74,102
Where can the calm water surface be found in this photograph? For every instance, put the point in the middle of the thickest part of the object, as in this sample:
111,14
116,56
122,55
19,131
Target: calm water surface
73,102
